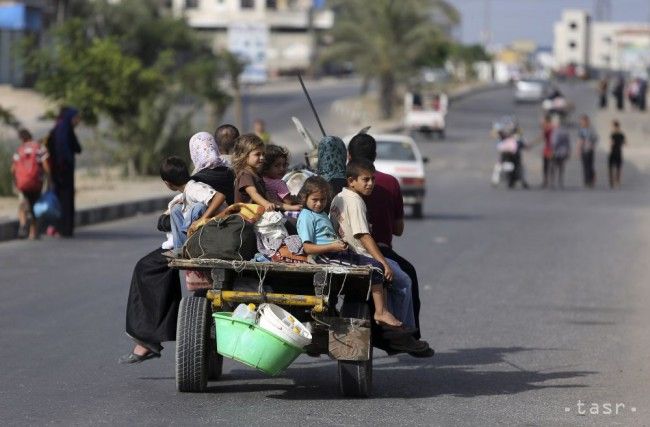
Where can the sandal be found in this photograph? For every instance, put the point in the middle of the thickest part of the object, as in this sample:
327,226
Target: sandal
132,358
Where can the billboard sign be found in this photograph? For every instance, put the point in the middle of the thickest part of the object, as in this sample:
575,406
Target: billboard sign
249,41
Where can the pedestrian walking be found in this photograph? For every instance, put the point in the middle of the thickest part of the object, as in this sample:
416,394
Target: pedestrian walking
615,159
643,89
547,150
603,85
259,128
561,142
619,92
587,140
63,145
29,169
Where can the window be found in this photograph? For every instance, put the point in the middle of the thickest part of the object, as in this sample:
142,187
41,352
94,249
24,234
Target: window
191,4
573,25
272,4
247,4
572,45
395,150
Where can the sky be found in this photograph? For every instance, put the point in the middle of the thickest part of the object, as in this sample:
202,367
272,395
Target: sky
533,19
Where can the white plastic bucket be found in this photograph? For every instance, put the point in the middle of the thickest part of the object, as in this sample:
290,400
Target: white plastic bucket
282,324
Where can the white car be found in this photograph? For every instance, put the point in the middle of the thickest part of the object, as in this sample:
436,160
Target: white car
531,90
398,155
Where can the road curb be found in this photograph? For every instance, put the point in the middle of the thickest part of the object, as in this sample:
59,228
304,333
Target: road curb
95,215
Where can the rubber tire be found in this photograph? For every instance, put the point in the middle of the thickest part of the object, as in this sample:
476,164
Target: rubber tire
355,378
441,134
417,211
192,347
215,360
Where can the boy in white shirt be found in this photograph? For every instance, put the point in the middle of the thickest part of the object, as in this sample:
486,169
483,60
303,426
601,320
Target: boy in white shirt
196,201
348,215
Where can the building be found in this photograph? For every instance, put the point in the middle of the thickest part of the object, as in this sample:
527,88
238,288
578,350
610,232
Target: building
19,19
601,46
571,42
277,36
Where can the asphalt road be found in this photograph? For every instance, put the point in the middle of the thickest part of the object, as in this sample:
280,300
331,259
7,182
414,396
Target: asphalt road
535,301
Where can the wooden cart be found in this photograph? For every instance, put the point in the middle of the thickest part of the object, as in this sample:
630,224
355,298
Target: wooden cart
332,299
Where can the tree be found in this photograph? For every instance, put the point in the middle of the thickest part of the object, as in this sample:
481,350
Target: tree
145,72
386,39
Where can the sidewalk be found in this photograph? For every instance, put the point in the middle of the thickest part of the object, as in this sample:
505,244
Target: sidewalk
99,198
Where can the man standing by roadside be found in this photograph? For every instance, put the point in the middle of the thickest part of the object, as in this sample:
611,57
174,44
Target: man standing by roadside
386,213
587,140
225,135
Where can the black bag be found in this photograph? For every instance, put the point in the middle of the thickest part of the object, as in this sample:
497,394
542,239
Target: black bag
229,238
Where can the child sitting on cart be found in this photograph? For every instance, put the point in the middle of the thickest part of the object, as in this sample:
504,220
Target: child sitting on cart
319,238
195,201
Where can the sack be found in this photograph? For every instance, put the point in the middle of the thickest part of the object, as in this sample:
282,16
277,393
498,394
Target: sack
229,238
28,169
47,207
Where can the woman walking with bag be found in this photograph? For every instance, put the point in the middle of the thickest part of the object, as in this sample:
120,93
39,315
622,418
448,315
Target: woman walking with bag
63,145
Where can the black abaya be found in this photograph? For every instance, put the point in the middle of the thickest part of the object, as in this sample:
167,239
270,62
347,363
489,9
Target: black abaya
154,297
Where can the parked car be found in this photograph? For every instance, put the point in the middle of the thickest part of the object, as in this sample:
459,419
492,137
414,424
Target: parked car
531,90
398,155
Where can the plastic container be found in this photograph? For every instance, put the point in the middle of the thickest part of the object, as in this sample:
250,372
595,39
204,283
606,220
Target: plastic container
282,324
245,312
253,346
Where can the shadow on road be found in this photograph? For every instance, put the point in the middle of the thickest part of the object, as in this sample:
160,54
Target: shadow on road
452,373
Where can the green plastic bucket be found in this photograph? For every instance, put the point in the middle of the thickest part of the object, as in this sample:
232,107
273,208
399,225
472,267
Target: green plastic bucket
253,346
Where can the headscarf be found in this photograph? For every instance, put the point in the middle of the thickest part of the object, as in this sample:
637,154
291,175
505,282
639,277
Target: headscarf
63,134
205,152
332,156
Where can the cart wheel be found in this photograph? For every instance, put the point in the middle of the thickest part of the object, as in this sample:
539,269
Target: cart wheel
355,377
192,347
215,360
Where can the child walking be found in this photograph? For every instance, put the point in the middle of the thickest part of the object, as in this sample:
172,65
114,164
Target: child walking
348,214
276,162
196,201
615,159
29,168
319,238
248,159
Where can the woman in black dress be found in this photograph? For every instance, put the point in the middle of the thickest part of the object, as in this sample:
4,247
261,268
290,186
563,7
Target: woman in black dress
155,292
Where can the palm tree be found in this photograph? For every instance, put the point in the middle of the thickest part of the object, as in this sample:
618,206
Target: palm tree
385,38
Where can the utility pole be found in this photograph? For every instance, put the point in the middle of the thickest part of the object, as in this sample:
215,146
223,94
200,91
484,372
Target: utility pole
487,25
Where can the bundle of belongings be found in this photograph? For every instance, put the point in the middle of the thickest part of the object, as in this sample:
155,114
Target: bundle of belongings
245,232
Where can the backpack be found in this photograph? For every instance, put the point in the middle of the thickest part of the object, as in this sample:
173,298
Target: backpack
28,168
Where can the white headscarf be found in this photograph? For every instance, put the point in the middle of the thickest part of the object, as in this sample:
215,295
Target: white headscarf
205,152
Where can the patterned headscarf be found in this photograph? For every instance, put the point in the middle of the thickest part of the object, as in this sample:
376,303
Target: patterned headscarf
332,156
205,152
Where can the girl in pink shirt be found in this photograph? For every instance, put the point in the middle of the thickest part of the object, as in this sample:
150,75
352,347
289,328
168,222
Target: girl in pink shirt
276,162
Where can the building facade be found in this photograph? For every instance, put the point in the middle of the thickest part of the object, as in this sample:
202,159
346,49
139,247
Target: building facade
19,19
286,28
601,46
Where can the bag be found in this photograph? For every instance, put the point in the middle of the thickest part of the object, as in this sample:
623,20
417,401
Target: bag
229,238
28,169
47,207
